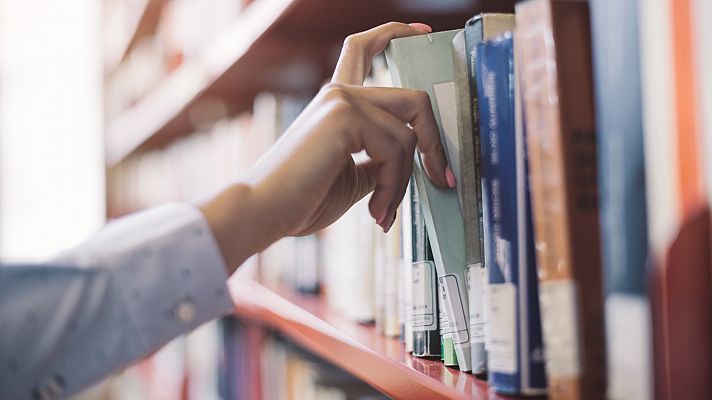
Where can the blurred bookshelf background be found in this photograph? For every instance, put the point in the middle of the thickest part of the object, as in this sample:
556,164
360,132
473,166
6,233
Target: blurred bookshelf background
108,107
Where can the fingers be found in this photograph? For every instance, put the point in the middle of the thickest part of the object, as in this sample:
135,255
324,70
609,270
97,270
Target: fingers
390,145
390,197
359,49
411,107
388,142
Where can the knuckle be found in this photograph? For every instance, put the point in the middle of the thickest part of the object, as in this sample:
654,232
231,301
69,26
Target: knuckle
393,24
411,141
422,98
353,40
340,107
334,91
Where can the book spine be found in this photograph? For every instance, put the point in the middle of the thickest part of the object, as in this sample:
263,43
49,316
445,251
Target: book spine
515,331
406,301
678,216
703,14
498,181
425,307
472,197
562,152
441,208
447,327
622,191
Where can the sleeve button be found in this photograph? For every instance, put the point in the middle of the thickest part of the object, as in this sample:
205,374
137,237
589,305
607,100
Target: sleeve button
185,311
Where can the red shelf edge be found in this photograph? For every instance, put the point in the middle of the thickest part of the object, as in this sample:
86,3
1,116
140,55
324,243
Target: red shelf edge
259,303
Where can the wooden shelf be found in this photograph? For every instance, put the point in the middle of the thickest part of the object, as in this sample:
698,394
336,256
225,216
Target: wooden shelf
379,361
277,45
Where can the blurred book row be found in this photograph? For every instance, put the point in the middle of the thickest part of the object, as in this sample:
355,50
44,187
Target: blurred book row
262,364
573,259
146,40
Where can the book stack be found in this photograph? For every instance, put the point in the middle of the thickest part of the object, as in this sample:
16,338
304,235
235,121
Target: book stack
573,258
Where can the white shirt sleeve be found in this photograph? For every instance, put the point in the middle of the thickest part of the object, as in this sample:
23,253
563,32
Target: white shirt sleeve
135,285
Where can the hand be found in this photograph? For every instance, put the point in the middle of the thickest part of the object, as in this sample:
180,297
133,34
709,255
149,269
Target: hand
309,178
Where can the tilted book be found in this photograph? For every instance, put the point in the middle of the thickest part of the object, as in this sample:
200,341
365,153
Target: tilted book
554,53
515,351
425,63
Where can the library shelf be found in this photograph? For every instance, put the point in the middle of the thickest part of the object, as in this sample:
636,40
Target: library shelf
358,349
144,22
274,45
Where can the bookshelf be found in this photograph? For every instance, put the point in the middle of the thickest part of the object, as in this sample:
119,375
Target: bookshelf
379,361
265,48
285,46
143,20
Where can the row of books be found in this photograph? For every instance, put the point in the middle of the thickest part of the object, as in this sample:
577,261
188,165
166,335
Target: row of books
264,365
203,161
183,31
574,257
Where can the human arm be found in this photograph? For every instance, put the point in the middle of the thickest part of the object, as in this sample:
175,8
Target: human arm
149,277
309,179
97,308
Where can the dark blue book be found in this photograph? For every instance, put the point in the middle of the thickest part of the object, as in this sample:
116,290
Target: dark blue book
514,341
621,174
478,29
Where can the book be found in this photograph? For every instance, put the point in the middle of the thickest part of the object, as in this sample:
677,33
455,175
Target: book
515,350
702,12
387,261
424,305
349,273
405,278
425,63
448,355
470,205
480,28
678,213
554,41
621,173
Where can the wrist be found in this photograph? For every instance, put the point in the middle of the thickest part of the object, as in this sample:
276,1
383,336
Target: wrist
240,222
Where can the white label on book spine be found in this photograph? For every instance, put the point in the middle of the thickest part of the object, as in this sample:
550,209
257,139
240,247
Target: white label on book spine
423,295
456,314
476,281
629,347
502,349
558,301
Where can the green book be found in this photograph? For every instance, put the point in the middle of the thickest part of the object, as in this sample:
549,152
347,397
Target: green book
425,63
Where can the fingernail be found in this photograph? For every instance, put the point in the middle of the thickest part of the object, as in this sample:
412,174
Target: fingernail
381,217
450,177
420,25
388,228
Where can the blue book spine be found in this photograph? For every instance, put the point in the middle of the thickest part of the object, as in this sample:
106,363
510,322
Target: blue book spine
514,342
621,174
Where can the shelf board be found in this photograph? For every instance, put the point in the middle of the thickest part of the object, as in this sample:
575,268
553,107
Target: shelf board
377,360
268,47
144,22
166,107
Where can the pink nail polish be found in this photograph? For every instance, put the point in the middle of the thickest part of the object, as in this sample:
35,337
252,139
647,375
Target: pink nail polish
450,177
381,217
420,25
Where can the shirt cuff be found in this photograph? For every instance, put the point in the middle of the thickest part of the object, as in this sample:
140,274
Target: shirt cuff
169,267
